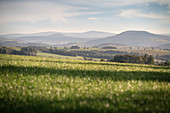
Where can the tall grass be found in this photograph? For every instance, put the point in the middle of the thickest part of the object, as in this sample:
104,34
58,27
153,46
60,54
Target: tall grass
49,85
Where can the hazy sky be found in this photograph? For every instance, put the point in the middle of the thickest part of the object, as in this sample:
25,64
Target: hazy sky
26,16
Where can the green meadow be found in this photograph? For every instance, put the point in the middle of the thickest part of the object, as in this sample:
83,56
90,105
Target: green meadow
30,84
42,54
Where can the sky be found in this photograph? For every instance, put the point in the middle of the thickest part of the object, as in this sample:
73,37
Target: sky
115,16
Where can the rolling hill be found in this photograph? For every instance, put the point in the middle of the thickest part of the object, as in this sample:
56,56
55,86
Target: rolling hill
93,38
110,44
2,39
53,39
134,38
17,35
57,37
90,34
165,46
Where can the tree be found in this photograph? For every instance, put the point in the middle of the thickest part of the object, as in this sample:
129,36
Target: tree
29,49
84,58
150,60
165,64
55,48
65,47
74,47
102,59
145,58
109,47
133,59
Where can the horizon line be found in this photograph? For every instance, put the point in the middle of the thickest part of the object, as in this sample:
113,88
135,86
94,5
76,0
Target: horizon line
84,31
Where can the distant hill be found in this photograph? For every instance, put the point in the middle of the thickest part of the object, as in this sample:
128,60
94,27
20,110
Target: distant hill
165,46
92,38
90,34
57,37
2,39
109,44
72,44
134,38
17,35
53,39
165,34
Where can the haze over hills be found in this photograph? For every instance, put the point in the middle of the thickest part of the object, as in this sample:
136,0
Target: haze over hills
17,35
58,37
93,38
53,39
4,39
165,46
110,44
165,34
90,34
134,38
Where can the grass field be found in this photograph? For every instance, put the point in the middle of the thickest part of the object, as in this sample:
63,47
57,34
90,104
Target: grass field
147,51
49,85
42,54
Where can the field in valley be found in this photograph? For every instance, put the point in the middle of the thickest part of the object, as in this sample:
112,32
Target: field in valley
42,54
50,85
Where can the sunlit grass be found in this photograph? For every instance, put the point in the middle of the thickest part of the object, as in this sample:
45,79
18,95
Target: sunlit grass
41,84
42,54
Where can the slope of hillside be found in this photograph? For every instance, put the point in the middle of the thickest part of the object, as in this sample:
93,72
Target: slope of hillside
2,39
165,46
134,38
110,44
17,35
94,38
90,34
53,39
58,37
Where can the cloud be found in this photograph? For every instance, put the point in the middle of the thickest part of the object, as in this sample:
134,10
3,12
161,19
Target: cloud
111,3
166,21
33,11
135,13
75,14
93,18
61,10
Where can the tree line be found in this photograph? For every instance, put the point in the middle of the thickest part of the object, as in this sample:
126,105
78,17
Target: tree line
112,56
30,51
146,59
57,51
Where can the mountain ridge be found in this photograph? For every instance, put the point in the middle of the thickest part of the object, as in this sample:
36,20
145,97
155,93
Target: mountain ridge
134,38
129,38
